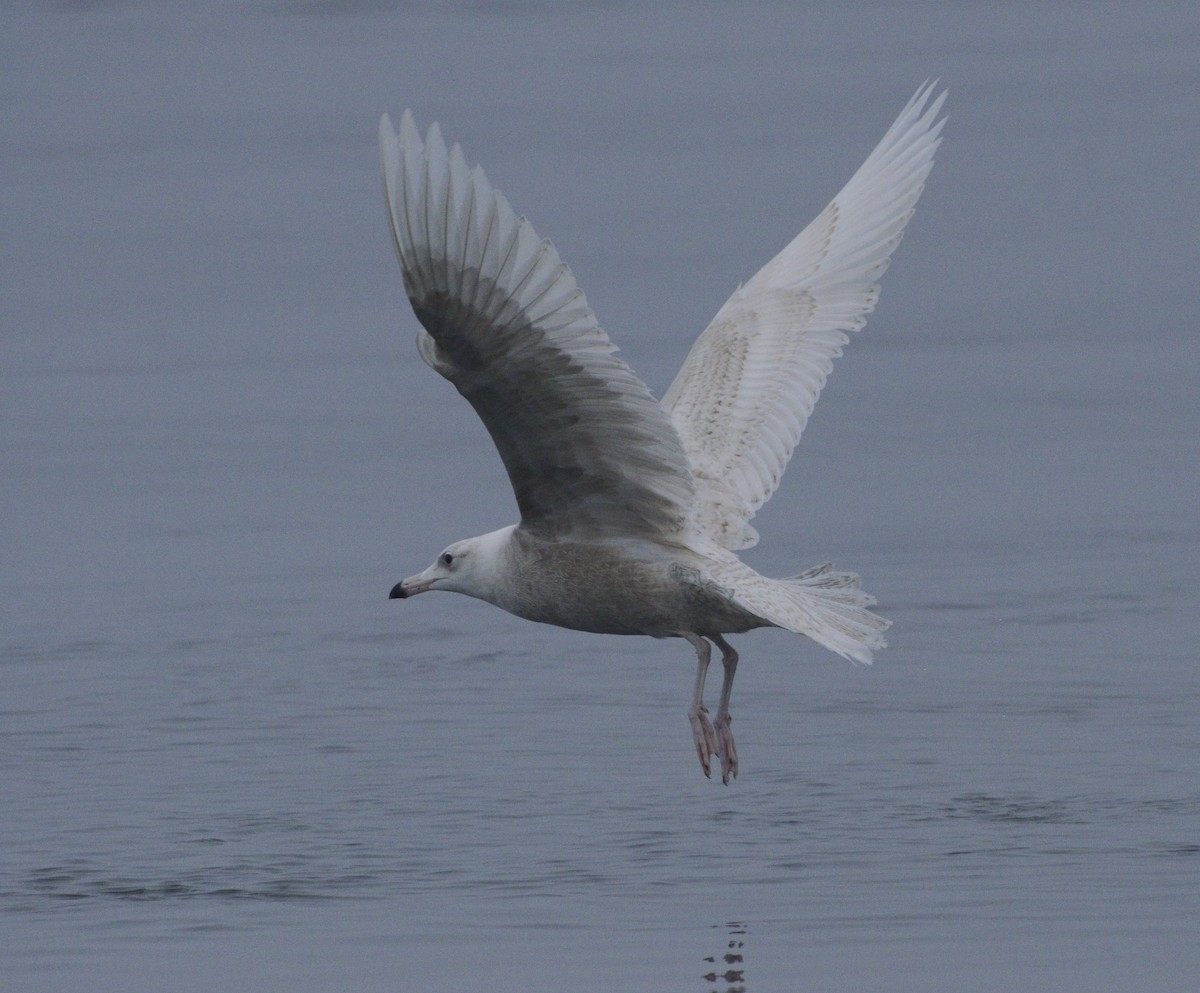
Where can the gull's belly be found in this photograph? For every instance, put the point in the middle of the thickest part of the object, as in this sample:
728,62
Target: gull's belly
620,590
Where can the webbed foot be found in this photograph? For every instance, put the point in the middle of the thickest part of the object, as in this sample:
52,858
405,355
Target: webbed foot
704,736
726,750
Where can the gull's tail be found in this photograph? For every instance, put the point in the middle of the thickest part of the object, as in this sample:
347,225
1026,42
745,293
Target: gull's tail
830,607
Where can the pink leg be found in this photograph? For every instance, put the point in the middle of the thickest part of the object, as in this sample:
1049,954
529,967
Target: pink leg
726,749
702,730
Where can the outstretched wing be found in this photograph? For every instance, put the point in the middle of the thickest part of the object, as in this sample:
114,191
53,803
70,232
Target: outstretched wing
743,396
587,448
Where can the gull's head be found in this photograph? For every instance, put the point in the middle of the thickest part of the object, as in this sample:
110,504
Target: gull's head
470,566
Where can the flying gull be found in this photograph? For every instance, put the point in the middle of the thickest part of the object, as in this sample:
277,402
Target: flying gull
632,509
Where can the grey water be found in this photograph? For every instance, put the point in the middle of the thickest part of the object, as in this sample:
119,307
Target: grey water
228,762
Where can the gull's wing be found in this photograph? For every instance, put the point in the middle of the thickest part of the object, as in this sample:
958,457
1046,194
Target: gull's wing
743,396
587,448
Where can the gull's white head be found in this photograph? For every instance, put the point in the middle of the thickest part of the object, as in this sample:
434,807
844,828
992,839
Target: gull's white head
470,566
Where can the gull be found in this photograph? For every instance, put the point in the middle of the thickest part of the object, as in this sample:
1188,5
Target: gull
632,509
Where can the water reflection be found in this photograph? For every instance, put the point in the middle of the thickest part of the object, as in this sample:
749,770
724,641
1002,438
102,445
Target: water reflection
728,966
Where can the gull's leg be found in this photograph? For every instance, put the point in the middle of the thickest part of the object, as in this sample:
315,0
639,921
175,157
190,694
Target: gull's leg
725,746
702,730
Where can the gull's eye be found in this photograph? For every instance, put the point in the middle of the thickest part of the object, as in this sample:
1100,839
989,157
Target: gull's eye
447,558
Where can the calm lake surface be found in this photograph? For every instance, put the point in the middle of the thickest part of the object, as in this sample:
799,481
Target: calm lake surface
227,762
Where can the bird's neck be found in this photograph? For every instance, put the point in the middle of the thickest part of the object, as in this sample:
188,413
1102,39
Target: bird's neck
491,565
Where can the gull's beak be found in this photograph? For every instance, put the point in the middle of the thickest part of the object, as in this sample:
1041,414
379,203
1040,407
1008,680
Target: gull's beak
412,586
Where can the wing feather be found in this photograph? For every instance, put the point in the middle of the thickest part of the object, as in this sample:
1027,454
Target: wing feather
587,448
743,396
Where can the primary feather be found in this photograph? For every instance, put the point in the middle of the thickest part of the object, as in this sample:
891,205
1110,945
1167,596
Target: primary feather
588,450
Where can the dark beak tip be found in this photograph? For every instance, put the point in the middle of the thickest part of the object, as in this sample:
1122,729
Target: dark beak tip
397,592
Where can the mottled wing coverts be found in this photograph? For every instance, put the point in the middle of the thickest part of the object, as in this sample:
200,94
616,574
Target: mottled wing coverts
743,397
